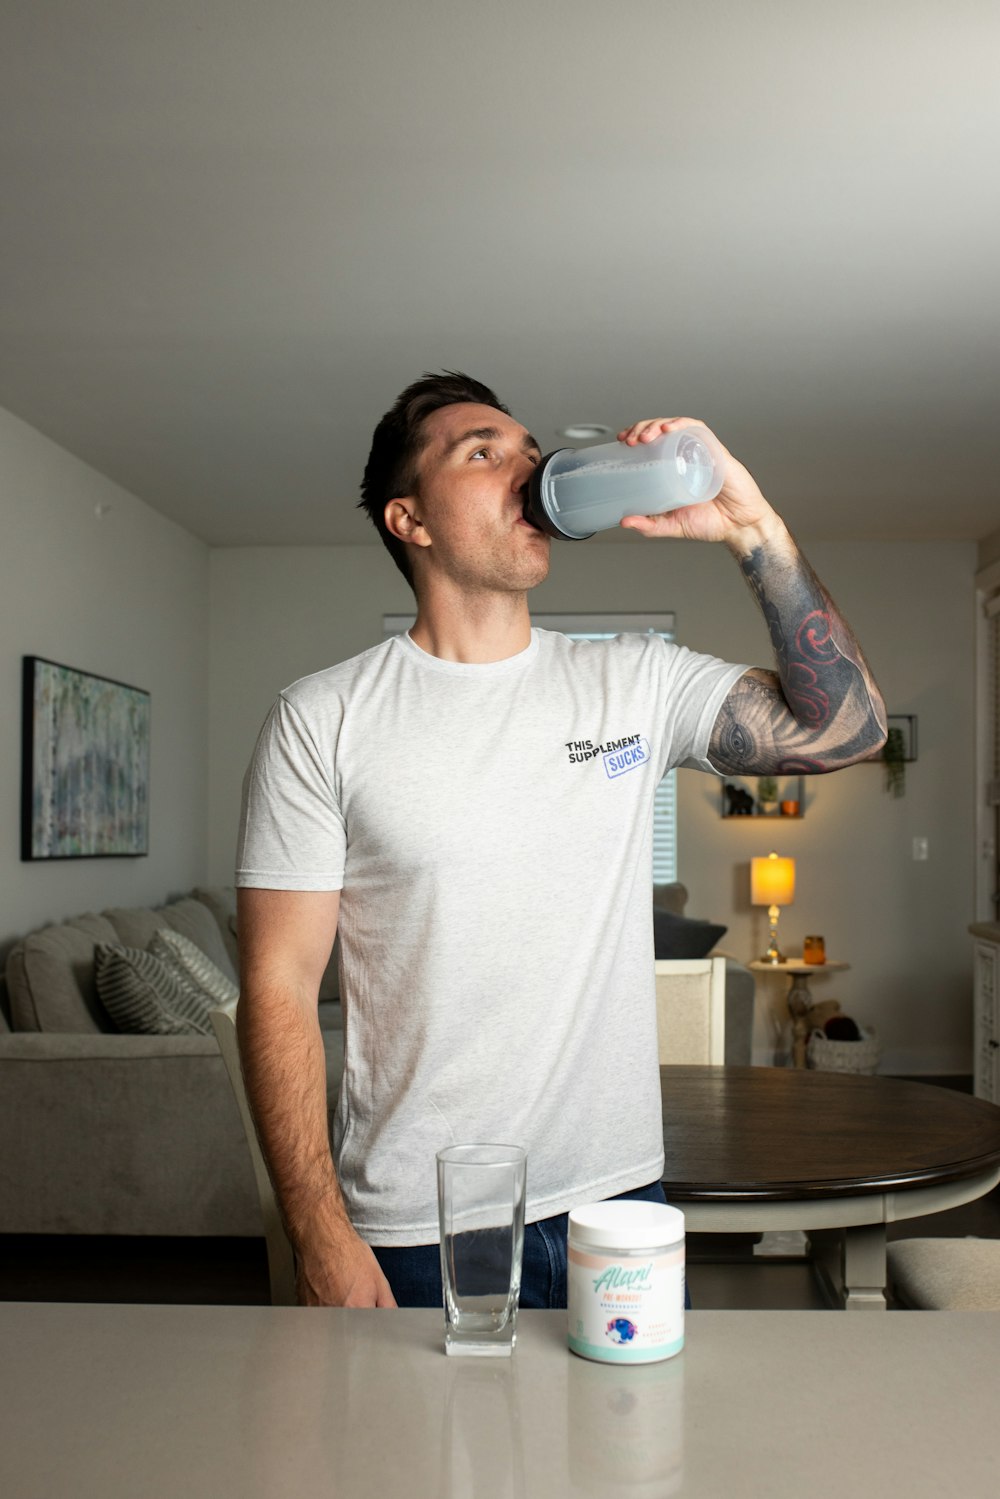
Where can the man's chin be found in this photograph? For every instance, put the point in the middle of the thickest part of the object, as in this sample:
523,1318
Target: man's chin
539,571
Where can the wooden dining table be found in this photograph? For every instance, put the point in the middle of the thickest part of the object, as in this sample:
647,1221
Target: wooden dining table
835,1155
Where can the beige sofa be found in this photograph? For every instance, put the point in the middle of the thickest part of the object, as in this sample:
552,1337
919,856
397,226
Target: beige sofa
104,1133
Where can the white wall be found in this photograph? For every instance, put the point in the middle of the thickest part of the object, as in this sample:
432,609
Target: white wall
280,613
989,550
123,596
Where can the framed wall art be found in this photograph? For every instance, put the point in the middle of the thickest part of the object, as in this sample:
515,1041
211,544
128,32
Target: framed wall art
85,765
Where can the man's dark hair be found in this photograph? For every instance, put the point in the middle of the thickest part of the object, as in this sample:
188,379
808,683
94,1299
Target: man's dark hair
399,439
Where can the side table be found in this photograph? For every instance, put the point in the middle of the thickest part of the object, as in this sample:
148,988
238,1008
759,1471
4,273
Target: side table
799,997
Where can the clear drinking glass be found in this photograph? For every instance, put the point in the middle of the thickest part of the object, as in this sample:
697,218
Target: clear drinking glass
481,1212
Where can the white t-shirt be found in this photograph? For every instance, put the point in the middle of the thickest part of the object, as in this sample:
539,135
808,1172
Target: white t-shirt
490,828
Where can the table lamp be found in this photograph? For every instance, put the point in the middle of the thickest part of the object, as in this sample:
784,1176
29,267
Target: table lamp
772,884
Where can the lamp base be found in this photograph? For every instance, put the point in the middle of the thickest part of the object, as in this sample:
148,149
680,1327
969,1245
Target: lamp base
774,954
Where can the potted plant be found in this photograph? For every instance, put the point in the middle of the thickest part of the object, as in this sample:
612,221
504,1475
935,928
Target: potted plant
894,759
767,795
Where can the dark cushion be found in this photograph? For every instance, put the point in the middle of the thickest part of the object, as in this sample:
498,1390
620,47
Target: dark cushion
144,997
680,937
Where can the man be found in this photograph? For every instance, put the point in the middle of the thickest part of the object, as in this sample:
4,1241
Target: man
490,875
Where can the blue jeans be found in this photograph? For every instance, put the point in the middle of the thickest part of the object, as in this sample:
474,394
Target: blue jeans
414,1270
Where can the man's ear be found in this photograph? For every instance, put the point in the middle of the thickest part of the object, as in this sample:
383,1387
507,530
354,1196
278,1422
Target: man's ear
403,522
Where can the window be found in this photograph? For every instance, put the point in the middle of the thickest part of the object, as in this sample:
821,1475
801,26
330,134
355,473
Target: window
605,627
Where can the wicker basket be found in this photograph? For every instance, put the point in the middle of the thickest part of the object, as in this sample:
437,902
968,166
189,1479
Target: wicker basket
824,1055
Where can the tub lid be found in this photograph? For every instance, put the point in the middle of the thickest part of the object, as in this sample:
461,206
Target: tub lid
627,1224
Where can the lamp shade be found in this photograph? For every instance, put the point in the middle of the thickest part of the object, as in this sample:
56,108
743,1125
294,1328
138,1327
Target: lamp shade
772,881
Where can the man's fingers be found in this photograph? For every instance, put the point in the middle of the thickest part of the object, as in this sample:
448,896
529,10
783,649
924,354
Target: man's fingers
370,1287
354,1279
652,525
651,428
385,1296
383,1290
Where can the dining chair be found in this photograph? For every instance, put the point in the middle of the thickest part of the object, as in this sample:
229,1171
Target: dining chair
945,1275
691,1011
280,1256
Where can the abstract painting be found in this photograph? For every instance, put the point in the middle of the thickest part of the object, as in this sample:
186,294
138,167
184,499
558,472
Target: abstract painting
85,766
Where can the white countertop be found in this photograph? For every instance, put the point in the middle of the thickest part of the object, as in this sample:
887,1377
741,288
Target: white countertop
170,1402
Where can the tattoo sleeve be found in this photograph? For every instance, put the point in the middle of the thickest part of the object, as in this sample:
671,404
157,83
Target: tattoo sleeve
821,709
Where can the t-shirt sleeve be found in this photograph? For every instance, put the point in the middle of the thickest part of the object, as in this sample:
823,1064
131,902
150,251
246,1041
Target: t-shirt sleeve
292,831
697,687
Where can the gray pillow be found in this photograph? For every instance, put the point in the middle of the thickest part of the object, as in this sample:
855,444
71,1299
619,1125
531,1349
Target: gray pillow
221,901
188,961
681,937
143,996
136,926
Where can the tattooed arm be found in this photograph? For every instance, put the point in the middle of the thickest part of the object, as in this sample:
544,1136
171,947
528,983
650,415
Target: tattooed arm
821,709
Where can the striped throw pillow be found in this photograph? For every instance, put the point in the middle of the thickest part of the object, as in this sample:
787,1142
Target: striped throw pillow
144,997
186,959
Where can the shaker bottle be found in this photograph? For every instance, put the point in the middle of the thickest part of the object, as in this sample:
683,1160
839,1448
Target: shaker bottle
574,492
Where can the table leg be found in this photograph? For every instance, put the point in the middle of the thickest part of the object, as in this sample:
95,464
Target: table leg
864,1268
852,1262
799,1002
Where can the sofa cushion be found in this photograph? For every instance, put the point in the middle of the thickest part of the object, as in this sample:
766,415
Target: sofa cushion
672,897
50,978
143,996
181,955
681,937
221,901
136,927
195,922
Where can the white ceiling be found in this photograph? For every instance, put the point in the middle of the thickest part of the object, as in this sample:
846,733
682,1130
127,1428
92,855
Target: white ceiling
233,230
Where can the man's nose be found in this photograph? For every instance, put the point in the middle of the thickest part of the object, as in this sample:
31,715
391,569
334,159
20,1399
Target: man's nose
521,473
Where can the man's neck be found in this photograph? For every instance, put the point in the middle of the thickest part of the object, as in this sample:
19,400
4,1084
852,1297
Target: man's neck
478,629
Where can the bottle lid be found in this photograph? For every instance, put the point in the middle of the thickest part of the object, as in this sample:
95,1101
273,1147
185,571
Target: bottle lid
538,509
627,1224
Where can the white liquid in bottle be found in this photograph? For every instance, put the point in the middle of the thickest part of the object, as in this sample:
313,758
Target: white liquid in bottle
575,492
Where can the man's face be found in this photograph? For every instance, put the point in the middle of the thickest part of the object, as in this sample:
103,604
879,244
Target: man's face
472,477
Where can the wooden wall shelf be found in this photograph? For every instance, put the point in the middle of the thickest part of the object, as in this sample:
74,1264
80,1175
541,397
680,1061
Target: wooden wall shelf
790,789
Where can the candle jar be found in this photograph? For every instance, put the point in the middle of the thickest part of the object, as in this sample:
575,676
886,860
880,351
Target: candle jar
814,950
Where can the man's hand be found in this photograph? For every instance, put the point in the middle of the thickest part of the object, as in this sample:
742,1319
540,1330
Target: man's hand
739,514
349,1275
821,709
285,942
